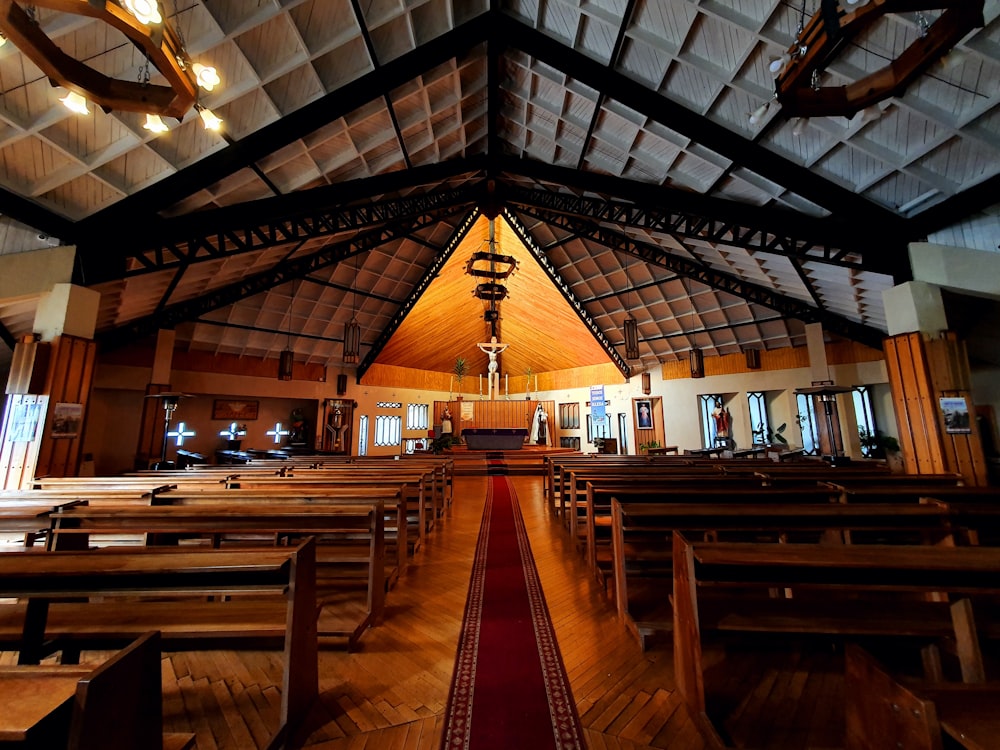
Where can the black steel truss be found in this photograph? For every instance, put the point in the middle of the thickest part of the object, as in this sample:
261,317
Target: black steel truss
7,337
227,241
418,290
691,124
276,275
524,234
615,240
751,236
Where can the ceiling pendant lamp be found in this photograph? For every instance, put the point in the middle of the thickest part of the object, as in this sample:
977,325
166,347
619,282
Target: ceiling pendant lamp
630,328
287,357
696,359
352,329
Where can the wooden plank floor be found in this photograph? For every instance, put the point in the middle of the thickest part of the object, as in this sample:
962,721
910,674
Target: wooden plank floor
392,693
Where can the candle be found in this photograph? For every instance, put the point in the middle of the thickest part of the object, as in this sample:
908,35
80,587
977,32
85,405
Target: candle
536,384
506,384
480,384
451,382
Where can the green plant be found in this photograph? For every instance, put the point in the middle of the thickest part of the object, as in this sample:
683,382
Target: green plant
460,369
442,442
767,437
643,447
876,445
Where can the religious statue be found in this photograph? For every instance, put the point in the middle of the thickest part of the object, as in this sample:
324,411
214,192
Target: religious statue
446,427
493,348
723,420
539,427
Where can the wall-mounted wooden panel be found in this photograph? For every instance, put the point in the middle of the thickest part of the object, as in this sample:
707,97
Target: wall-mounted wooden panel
70,375
788,358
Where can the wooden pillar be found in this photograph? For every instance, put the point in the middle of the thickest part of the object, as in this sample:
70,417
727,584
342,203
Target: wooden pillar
923,369
49,387
151,424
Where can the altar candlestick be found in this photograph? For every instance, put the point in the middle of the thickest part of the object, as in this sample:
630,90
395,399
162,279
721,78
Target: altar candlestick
536,384
506,384
451,383
480,384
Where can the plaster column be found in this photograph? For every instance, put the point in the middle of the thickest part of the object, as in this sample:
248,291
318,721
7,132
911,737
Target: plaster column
151,426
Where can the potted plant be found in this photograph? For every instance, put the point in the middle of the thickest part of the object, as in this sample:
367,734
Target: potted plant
460,369
769,438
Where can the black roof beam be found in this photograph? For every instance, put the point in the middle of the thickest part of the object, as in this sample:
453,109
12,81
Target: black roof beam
615,240
433,269
753,236
295,125
723,141
227,242
278,274
524,234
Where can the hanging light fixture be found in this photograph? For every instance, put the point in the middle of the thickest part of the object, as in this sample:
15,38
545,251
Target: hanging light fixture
696,359
352,329
75,103
143,24
154,124
631,326
287,357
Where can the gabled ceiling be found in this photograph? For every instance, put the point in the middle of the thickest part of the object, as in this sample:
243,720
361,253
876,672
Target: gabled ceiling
362,140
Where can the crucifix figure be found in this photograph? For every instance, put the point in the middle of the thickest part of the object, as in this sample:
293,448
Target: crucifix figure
492,349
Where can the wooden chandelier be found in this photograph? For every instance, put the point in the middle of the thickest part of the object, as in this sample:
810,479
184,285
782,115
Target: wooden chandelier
835,25
158,42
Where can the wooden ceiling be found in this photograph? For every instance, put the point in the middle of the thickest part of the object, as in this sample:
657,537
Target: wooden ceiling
541,328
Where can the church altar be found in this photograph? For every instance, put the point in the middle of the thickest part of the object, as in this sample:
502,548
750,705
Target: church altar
494,438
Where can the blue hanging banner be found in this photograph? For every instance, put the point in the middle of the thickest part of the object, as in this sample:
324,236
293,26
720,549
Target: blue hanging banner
597,412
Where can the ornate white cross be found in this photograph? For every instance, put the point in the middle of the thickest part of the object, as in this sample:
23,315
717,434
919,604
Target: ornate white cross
180,433
278,433
232,432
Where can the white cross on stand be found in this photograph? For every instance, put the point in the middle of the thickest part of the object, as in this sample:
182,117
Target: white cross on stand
233,432
278,433
180,433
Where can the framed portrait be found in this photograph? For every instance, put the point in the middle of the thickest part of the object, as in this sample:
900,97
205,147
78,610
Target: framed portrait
66,420
955,410
236,410
643,415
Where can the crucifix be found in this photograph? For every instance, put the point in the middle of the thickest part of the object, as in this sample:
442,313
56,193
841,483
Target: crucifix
492,349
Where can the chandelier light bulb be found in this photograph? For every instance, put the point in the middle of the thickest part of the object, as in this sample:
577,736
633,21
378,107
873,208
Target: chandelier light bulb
206,75
75,103
211,121
758,114
145,11
154,124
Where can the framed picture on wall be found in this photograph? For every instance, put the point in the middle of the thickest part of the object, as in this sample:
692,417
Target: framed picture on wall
643,415
956,415
66,420
241,410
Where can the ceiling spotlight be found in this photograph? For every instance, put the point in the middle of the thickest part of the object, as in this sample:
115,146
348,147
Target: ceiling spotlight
758,114
800,126
145,11
206,75
75,103
3,40
856,3
211,121
154,124
866,115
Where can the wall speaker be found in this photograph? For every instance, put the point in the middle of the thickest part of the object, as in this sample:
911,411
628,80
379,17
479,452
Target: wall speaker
753,359
646,383
341,384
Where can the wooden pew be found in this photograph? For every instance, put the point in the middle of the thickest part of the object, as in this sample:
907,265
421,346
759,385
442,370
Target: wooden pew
350,539
829,585
642,551
272,591
595,519
117,704
883,711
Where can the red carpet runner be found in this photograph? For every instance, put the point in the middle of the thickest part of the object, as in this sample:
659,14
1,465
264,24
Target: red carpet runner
510,688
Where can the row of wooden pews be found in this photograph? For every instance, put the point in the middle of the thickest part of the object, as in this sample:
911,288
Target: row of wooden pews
706,549
291,555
